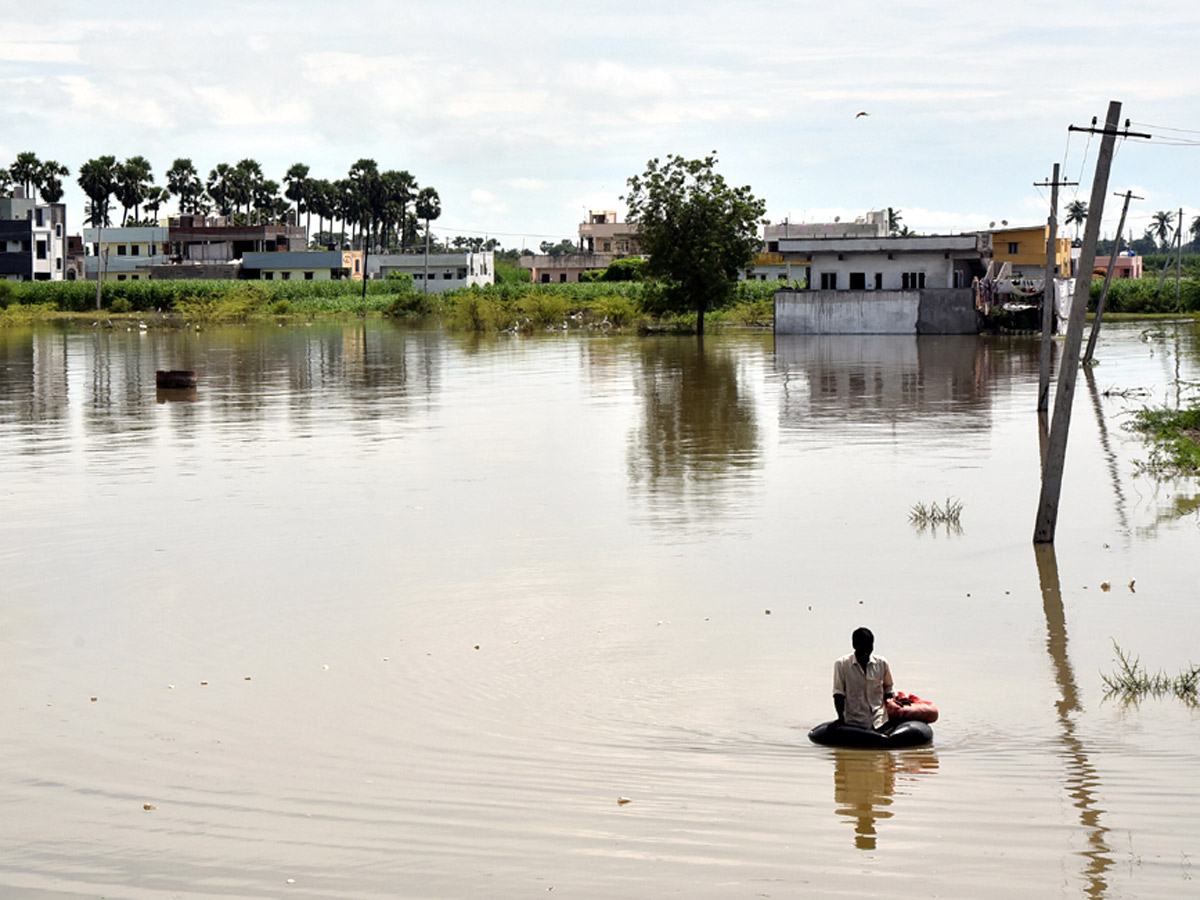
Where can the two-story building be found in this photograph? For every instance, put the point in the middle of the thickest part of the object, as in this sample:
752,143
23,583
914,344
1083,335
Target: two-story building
124,254
601,240
1025,250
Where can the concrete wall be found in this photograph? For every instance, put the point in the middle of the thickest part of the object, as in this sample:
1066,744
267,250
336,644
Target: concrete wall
875,312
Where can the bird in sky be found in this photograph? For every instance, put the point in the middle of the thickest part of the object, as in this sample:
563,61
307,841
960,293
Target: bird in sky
861,114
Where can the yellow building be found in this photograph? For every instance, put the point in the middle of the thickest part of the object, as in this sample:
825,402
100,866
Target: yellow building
1025,249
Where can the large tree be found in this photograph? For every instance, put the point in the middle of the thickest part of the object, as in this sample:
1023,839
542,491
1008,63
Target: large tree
135,178
698,231
25,171
49,180
221,188
1161,227
184,181
428,206
297,191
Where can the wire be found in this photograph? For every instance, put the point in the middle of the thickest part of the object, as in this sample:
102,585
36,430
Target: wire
1165,128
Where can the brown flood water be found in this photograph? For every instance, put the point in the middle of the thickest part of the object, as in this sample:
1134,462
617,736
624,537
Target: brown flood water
382,613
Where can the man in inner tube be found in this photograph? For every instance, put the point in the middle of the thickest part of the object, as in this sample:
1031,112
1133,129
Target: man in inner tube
862,682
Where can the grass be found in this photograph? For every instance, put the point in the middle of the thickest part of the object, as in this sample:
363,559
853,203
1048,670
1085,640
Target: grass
1174,438
1131,682
935,514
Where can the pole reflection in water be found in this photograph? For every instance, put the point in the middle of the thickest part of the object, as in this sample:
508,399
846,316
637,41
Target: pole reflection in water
1082,780
864,783
1110,457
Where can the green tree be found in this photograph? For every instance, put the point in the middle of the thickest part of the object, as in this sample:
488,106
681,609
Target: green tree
297,183
221,188
1160,227
25,171
1077,212
98,179
894,219
698,231
184,182
153,201
1195,230
49,180
428,206
134,180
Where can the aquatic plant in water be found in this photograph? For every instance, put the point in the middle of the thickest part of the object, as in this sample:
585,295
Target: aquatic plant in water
1131,682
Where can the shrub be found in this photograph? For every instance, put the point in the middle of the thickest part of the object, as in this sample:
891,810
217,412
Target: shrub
121,305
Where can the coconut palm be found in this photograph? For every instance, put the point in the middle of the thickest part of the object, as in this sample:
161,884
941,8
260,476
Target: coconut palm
1160,227
1195,230
894,218
154,199
25,172
297,186
1077,212
98,179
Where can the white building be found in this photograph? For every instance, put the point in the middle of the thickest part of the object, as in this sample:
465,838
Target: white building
33,244
446,270
124,254
888,263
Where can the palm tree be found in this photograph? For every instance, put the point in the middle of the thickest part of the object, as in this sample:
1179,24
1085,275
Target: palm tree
25,172
220,188
49,180
428,207
134,180
1195,230
265,194
1077,212
894,218
184,181
1160,227
5,181
297,186
248,179
98,178
154,199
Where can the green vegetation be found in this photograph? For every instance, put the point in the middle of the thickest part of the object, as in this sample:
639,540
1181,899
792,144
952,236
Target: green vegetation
1131,682
698,231
1143,295
1174,436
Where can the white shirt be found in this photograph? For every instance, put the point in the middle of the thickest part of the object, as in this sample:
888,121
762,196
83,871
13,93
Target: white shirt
863,690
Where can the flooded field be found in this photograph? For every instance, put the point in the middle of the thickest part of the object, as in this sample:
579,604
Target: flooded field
380,613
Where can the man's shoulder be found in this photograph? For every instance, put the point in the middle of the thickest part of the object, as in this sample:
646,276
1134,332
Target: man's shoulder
844,660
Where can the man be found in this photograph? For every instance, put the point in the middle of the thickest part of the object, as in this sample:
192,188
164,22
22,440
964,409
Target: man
862,682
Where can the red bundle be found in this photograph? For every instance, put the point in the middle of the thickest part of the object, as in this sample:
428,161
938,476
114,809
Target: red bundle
903,706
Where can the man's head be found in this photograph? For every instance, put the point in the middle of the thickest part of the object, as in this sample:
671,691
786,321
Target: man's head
863,641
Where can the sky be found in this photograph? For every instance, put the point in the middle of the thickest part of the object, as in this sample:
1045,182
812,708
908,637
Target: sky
524,115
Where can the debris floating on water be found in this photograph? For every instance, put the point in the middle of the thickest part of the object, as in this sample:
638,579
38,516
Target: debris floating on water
1106,586
149,806
621,801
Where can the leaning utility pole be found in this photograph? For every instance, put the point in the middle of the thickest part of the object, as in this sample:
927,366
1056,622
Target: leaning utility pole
1179,256
1048,294
1060,423
1112,264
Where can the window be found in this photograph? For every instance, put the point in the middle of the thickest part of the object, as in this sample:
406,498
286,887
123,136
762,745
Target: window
879,281
959,278
41,249
58,263
120,278
446,276
122,250
135,250
58,229
912,281
562,277
858,281
462,274
1013,247
772,246
545,278
308,276
829,281
285,276
268,276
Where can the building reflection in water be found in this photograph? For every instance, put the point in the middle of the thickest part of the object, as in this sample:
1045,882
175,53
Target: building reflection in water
929,383
865,784
1082,781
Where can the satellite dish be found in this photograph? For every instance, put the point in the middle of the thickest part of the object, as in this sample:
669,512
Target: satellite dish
1004,221
991,224
837,218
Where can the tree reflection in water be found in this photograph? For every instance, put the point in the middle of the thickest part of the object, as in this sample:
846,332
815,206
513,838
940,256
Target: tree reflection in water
864,783
698,436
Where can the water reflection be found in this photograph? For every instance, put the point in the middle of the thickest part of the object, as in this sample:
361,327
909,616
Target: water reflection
881,379
1082,780
697,440
1110,458
57,387
864,784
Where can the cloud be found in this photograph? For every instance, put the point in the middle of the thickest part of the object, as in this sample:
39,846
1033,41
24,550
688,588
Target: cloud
231,107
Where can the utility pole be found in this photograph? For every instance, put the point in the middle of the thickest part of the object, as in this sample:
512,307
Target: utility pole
1060,423
1179,256
1048,293
1108,275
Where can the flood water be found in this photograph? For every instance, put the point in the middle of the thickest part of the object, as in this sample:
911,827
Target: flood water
382,613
